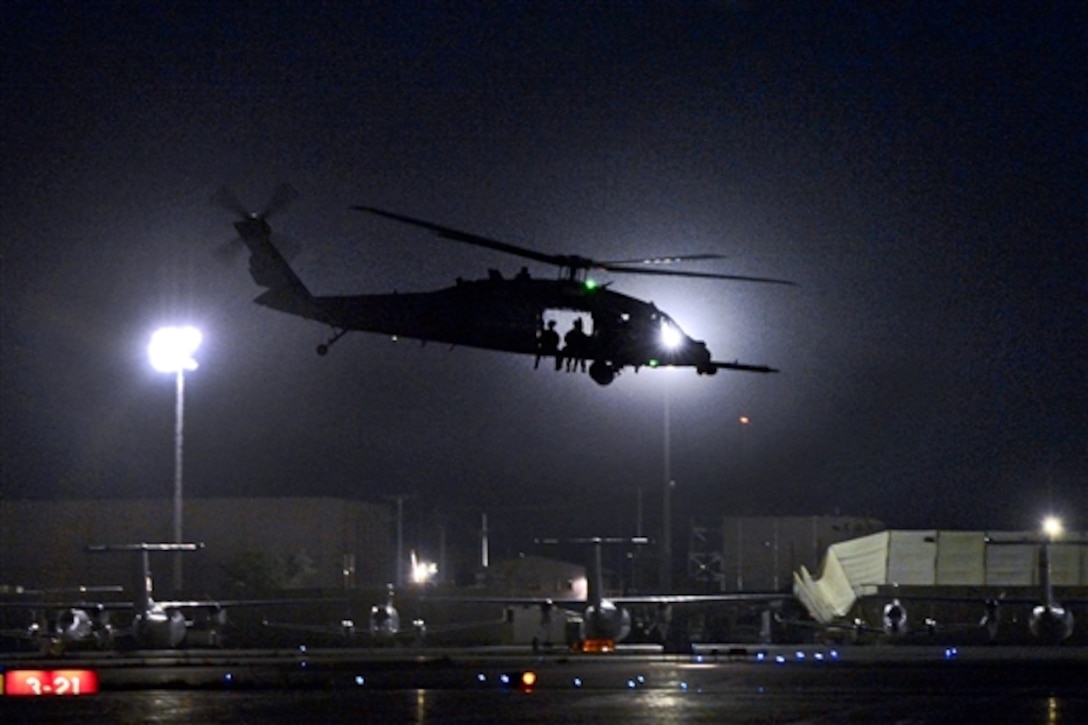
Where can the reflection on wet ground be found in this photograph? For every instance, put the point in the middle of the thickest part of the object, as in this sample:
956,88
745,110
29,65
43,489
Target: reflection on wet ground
1038,685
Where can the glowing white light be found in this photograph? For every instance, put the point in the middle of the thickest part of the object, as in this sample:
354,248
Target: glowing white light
171,349
1052,527
670,336
423,571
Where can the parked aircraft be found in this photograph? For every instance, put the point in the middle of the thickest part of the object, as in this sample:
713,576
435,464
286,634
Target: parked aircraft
61,625
384,627
605,621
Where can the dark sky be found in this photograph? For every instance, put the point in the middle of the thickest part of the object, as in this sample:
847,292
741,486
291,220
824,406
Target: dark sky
920,173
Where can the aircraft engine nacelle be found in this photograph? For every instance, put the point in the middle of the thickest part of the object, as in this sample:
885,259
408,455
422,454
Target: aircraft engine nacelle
1051,623
75,625
160,628
894,619
384,620
608,622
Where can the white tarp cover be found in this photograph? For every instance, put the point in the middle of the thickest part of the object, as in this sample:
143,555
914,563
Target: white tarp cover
961,558
854,568
912,558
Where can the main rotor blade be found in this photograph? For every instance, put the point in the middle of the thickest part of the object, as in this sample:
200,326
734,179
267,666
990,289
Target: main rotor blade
703,275
570,262
671,259
459,236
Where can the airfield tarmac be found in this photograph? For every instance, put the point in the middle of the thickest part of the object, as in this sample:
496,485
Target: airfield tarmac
724,683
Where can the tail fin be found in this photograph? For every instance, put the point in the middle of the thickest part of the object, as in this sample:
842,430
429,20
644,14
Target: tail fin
595,569
144,585
285,291
1045,574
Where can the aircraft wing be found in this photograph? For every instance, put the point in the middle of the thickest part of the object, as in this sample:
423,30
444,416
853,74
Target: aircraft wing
657,599
753,597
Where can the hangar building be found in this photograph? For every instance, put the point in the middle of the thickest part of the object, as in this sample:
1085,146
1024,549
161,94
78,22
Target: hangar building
272,543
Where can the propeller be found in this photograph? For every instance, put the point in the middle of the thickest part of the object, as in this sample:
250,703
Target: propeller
282,198
573,264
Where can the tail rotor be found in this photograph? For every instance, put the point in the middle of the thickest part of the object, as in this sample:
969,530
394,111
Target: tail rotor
226,198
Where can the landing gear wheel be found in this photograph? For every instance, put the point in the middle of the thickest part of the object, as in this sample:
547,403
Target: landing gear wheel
323,348
602,372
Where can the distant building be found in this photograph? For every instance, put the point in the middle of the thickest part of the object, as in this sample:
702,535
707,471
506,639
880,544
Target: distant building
250,543
760,553
536,577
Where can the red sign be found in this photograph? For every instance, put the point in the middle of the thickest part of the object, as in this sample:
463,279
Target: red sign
50,682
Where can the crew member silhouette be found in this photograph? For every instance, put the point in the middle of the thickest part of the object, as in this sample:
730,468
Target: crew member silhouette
547,343
574,348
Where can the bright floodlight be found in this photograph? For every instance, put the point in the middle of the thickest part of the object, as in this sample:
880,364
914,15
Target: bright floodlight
670,336
1052,527
423,571
171,349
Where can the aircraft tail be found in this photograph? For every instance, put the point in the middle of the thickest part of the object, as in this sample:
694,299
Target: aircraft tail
1045,574
285,291
268,267
595,568
144,585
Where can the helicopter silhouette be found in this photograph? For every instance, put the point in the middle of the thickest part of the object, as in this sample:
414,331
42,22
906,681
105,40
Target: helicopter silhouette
496,313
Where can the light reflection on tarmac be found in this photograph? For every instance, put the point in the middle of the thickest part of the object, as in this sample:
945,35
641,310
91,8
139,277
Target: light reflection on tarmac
778,684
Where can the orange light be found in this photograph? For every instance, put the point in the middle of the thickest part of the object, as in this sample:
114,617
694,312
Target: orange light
598,645
528,679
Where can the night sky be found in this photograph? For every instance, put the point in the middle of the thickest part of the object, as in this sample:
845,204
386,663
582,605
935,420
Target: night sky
920,173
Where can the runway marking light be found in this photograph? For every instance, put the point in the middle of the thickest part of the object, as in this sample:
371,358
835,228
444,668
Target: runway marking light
528,679
577,682
779,659
360,680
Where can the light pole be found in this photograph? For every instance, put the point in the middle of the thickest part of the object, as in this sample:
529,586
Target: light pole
666,504
171,351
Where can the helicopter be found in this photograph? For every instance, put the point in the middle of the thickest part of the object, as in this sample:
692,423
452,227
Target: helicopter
515,315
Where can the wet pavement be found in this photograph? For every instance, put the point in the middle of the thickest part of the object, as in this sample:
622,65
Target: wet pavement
723,684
